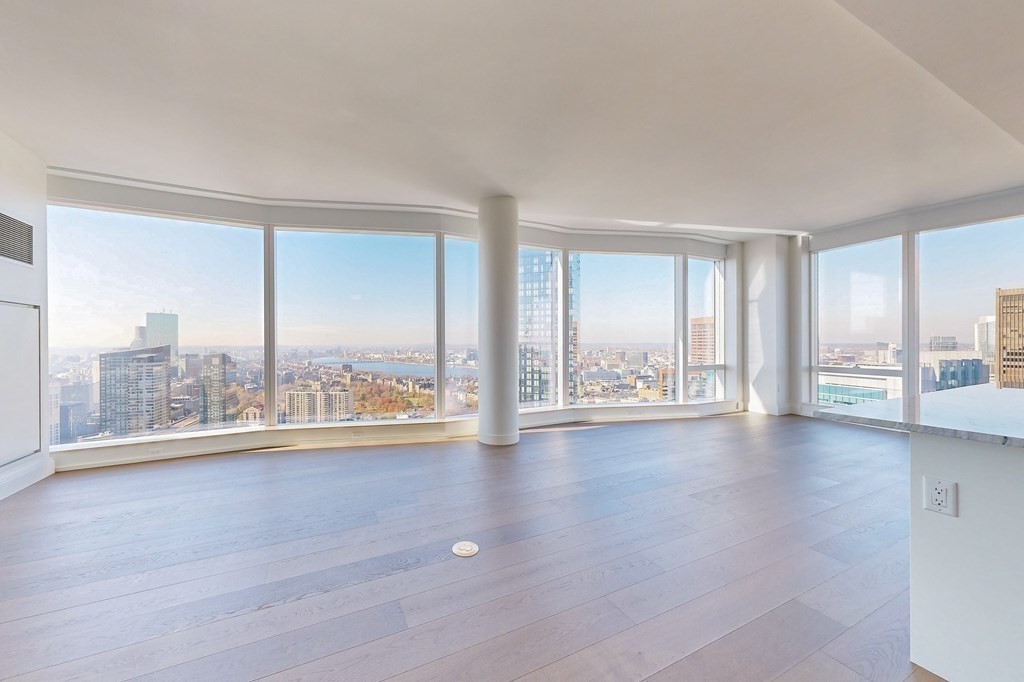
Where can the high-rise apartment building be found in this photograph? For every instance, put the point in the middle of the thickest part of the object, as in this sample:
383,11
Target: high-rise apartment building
53,403
218,402
573,306
538,326
1010,338
162,330
985,337
305,406
703,343
135,390
940,343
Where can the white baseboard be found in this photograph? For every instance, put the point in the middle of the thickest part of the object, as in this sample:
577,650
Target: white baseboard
22,473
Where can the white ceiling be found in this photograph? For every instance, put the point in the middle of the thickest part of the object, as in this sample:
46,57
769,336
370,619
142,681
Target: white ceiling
743,115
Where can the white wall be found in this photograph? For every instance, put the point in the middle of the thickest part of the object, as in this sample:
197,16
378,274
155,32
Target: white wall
23,196
767,310
966,592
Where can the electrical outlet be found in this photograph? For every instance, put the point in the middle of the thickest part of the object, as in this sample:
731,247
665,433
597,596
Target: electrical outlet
940,495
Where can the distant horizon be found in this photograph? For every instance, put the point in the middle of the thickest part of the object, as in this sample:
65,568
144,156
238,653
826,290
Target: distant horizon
108,269
182,348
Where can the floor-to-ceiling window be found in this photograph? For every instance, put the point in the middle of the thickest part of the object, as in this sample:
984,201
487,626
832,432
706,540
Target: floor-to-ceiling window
460,323
962,273
859,323
539,329
704,289
355,326
155,324
623,328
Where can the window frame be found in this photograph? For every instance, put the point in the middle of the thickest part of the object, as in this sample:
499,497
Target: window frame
815,369
269,216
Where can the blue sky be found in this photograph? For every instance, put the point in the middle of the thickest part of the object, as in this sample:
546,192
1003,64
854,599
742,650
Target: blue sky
960,269
354,289
107,270
627,299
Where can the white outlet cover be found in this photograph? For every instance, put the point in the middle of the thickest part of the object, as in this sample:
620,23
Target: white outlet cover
930,484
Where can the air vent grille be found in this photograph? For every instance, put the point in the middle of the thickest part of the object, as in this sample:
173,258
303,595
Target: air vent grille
15,239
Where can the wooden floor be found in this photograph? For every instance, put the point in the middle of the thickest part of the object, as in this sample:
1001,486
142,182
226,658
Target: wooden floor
730,548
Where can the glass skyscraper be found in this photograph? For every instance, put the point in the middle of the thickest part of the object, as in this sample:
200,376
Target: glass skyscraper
538,327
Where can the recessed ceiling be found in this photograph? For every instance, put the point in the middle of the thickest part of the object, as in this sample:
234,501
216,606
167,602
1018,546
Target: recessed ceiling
739,115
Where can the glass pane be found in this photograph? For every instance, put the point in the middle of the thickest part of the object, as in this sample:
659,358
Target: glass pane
538,327
355,325
961,271
155,325
705,385
624,328
702,292
460,321
859,322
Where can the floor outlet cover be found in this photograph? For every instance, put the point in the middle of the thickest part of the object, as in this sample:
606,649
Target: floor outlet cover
465,548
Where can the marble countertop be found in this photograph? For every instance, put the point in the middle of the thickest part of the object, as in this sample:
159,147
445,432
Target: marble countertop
980,413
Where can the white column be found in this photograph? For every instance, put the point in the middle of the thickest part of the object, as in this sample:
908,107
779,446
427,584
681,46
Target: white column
499,321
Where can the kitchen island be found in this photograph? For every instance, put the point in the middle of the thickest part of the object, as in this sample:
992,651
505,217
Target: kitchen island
967,570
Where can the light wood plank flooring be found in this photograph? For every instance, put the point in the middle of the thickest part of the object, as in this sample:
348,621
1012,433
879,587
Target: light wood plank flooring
731,548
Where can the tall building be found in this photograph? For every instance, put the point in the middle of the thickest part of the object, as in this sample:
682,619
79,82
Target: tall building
538,326
306,406
73,421
81,392
667,383
135,390
703,344
1010,338
985,337
190,366
940,343
162,330
53,403
218,402
573,304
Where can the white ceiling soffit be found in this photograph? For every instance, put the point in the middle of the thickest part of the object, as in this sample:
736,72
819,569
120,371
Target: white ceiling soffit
700,116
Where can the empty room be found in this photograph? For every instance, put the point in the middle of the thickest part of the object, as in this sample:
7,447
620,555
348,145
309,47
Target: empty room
488,340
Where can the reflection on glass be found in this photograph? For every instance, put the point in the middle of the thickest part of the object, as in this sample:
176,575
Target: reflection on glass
705,385
155,325
702,292
624,328
859,323
460,321
355,327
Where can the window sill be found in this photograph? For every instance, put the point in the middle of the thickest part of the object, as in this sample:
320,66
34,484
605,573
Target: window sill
341,434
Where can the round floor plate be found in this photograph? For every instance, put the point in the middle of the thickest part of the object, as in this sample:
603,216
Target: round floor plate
465,548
